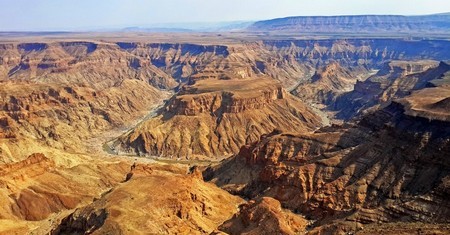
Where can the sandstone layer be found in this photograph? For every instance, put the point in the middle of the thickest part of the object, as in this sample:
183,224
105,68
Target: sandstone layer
65,116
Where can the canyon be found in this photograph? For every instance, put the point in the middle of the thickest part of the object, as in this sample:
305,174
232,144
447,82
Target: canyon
237,135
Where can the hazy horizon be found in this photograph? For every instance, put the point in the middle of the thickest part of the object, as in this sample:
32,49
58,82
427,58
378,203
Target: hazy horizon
67,15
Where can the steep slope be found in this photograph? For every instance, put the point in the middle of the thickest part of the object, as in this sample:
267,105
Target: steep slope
392,166
371,53
264,216
213,118
395,79
58,97
327,83
35,191
64,116
358,23
77,63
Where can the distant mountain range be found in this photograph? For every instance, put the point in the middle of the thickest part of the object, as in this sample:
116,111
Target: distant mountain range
368,24
437,23
192,27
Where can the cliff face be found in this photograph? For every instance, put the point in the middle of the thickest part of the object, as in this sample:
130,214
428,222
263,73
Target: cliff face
165,64
395,79
36,187
233,97
77,63
328,82
65,116
391,166
370,52
56,98
214,118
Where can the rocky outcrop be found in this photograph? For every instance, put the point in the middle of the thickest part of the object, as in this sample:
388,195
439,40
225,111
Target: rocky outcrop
214,118
395,79
77,224
173,202
187,102
264,216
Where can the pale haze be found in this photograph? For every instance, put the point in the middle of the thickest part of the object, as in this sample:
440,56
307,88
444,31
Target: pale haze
27,15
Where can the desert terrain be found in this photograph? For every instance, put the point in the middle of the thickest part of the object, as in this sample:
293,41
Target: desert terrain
226,133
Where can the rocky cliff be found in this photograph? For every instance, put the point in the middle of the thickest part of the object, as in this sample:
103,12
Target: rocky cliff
395,79
391,166
165,64
77,63
57,98
64,116
264,216
328,83
214,118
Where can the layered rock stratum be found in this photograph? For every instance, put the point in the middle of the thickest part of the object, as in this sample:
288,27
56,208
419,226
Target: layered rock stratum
78,118
391,166
213,118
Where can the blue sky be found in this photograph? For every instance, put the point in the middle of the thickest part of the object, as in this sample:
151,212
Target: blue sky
96,14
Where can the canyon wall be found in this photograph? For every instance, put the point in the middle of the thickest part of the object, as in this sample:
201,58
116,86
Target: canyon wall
391,166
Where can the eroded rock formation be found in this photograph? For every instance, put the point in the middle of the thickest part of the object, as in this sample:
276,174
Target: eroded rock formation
214,118
264,216
391,166
161,202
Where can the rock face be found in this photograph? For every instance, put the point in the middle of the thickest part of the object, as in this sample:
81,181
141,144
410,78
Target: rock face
36,187
327,83
395,79
163,64
392,166
59,97
77,63
214,118
159,203
359,23
372,53
264,216
64,116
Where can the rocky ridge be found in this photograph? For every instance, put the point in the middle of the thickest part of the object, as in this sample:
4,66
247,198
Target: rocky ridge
390,167
395,79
